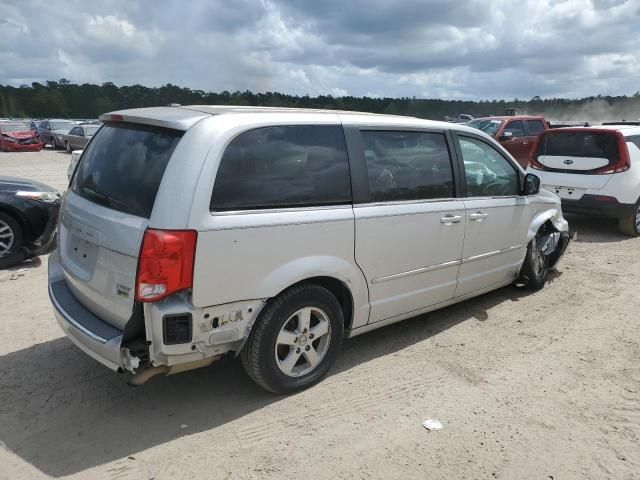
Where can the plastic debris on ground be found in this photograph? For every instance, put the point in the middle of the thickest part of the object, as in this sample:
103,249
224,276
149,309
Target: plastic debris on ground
432,425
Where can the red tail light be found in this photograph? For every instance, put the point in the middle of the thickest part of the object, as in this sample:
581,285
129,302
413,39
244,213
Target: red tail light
165,265
533,158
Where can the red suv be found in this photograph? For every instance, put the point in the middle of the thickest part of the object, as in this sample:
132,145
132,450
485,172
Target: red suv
516,133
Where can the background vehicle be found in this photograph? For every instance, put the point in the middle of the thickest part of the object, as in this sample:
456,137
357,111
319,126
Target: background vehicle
515,133
191,233
594,170
49,131
17,137
28,215
460,118
78,137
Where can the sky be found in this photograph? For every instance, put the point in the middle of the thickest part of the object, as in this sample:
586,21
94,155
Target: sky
464,49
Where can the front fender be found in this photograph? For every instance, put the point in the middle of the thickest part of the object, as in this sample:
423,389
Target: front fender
554,215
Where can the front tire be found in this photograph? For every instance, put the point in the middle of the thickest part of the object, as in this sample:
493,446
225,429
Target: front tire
54,145
295,340
536,265
67,146
11,241
630,224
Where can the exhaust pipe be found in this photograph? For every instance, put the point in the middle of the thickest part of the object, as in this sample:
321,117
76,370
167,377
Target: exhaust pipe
143,376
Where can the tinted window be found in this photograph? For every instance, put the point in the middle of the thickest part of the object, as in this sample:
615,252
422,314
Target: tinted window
288,166
74,131
487,172
123,166
535,127
579,144
407,165
516,128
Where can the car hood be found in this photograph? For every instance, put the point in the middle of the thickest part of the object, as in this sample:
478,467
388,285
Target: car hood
13,184
19,135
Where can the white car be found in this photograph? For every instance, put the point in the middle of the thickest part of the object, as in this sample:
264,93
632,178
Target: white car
594,170
195,232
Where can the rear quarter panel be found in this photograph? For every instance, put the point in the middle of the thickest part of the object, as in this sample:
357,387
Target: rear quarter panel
256,254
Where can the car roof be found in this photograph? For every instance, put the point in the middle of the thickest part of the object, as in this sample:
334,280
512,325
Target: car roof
625,130
184,117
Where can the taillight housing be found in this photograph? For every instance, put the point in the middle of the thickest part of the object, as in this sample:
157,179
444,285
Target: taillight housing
533,157
165,264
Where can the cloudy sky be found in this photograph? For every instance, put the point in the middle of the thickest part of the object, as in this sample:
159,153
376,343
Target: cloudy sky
424,48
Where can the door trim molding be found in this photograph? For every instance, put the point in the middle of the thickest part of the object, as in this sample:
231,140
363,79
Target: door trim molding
416,272
490,254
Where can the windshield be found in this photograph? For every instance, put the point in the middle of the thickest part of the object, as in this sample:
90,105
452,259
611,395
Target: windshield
489,127
13,128
62,125
122,167
89,130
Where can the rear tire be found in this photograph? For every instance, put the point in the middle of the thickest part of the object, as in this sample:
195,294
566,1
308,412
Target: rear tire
11,241
283,354
54,146
630,224
536,265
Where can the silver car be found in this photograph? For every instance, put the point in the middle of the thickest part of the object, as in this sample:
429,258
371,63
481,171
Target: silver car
191,233
78,137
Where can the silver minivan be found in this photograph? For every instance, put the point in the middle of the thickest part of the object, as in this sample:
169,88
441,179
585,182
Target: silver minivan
190,233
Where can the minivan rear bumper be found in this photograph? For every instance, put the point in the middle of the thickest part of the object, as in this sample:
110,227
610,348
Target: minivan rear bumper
92,335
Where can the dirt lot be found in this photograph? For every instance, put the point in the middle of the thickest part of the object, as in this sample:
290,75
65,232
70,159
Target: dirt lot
534,386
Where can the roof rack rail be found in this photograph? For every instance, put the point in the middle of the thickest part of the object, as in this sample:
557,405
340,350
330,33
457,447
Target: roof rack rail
623,122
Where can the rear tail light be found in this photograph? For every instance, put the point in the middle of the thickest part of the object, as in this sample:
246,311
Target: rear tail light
165,265
533,154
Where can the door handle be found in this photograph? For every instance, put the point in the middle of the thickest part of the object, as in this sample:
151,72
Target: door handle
451,219
479,216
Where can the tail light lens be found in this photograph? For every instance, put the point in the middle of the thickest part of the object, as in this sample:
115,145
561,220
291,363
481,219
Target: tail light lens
165,265
533,154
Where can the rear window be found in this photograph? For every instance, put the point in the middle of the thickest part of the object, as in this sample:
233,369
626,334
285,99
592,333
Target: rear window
579,144
123,165
283,166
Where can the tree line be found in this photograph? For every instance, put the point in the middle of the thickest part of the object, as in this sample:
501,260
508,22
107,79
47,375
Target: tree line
64,99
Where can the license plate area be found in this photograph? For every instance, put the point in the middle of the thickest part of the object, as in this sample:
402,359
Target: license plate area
566,193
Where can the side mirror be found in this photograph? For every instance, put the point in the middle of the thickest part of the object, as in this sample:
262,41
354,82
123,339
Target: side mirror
531,184
506,135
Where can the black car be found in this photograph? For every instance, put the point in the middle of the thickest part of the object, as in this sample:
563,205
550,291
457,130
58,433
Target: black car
28,218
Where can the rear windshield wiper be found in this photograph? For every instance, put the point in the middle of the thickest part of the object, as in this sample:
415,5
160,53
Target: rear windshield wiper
104,197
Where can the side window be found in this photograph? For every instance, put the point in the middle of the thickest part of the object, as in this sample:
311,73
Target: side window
407,165
487,172
516,128
79,131
74,131
535,127
284,166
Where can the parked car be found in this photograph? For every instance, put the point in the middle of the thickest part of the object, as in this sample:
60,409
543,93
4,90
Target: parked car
78,137
460,118
594,170
28,216
515,133
191,233
50,131
17,137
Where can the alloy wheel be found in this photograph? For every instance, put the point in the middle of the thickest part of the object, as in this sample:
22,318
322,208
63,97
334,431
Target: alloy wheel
7,238
303,341
537,257
638,220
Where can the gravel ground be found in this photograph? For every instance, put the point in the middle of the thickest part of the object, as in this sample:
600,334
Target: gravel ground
536,386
